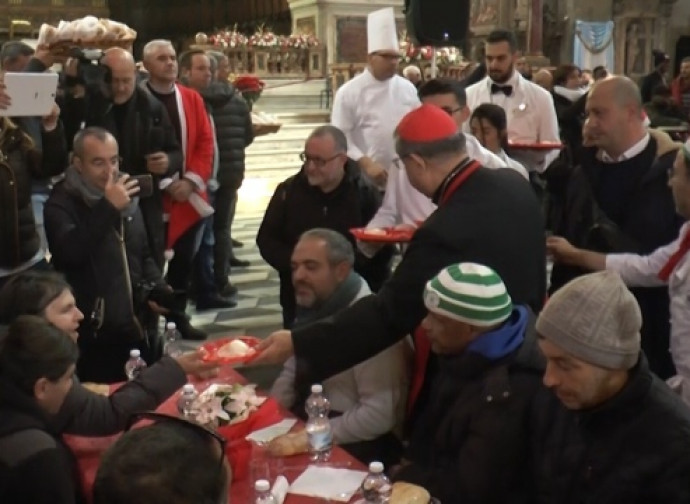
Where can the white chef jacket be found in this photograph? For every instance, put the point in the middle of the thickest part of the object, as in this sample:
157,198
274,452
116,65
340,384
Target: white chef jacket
531,116
643,271
368,111
403,204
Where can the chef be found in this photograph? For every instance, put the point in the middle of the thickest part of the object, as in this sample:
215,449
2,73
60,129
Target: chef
529,108
368,107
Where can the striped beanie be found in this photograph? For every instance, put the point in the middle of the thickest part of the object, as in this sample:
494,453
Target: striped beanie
469,293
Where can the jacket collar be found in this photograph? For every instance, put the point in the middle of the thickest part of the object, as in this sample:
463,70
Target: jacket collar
26,413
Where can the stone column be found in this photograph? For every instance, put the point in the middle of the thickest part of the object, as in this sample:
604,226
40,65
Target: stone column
536,28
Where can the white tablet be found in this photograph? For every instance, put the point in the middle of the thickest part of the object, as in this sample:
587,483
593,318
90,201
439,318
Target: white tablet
32,94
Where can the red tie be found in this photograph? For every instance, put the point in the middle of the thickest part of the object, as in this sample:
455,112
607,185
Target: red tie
422,349
673,261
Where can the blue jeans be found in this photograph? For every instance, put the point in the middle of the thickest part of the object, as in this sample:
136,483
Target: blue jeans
203,263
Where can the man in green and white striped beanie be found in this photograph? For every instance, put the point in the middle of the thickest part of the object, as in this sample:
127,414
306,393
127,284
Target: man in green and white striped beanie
467,299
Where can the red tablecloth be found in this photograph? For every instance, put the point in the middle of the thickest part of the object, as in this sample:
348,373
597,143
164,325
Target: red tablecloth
88,451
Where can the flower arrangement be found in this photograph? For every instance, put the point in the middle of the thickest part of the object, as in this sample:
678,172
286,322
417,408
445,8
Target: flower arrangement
263,38
222,404
444,55
302,41
228,38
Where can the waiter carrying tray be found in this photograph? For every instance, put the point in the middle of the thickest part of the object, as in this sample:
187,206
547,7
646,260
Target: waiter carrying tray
368,107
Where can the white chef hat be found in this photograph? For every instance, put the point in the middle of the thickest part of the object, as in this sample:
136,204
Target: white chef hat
382,34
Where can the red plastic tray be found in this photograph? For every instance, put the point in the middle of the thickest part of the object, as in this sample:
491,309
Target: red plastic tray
209,350
391,235
536,145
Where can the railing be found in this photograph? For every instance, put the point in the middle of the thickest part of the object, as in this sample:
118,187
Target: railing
343,72
275,62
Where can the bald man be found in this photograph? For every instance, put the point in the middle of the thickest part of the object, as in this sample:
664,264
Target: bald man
618,200
147,141
544,78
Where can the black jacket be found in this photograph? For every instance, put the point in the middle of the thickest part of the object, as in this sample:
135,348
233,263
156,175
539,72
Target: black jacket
19,167
146,129
633,449
649,83
35,466
649,221
87,247
234,132
472,444
297,207
494,219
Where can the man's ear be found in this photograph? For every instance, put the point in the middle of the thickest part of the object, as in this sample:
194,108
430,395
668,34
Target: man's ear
41,389
77,163
464,114
418,159
342,271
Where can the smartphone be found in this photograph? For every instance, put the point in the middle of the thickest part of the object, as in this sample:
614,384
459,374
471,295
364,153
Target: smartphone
145,185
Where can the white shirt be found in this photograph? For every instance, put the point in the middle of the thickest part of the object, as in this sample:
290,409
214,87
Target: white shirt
630,153
642,271
368,111
403,204
531,116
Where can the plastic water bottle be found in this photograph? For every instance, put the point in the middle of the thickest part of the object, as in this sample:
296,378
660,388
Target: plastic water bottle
171,340
263,493
134,365
318,426
376,487
186,401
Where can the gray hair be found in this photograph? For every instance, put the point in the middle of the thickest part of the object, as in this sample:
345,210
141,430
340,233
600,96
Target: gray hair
411,70
453,145
339,249
335,133
11,51
153,45
96,132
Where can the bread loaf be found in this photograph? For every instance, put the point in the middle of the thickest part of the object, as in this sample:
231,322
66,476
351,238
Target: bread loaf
407,493
289,444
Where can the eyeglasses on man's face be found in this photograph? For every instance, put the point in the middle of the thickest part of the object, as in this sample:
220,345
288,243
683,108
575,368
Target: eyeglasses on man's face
451,111
318,162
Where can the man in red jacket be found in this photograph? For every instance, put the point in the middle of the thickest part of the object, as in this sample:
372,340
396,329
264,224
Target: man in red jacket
185,194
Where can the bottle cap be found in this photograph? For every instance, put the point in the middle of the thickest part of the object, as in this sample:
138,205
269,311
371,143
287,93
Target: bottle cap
170,325
134,353
376,467
188,388
316,389
262,486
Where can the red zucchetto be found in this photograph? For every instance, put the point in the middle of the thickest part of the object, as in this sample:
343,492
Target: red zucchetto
427,123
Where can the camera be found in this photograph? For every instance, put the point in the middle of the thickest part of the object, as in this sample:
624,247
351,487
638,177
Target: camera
94,76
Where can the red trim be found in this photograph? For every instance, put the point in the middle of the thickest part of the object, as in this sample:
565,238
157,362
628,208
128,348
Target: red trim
459,180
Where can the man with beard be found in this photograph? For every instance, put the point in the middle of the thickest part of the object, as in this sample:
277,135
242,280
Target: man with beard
529,107
368,107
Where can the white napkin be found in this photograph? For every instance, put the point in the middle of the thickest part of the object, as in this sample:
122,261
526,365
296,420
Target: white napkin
280,489
268,434
328,483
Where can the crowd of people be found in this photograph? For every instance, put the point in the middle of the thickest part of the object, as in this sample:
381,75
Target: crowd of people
459,364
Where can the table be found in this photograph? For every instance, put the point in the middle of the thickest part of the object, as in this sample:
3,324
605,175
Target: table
88,451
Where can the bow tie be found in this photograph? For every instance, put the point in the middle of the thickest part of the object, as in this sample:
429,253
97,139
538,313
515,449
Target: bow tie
506,90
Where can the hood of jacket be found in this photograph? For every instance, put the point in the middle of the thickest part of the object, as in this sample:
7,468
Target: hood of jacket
217,94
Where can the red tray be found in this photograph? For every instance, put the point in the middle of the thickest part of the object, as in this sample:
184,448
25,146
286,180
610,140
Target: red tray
391,235
536,146
209,350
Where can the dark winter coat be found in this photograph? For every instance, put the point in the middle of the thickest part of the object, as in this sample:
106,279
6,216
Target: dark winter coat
634,448
19,167
234,132
103,256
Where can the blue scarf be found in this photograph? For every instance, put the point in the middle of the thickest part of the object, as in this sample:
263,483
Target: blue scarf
497,344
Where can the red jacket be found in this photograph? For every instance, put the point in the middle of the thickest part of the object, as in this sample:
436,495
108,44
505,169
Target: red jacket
677,91
197,146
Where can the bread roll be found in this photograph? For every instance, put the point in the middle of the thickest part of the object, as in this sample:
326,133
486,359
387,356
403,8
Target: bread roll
47,34
289,444
407,493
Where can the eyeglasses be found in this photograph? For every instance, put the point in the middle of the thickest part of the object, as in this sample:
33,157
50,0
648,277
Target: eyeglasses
398,163
318,162
451,111
154,417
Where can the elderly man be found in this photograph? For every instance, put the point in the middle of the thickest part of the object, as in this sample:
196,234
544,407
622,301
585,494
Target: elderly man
611,431
529,107
329,191
98,241
369,398
142,128
368,107
618,200
473,426
481,214
169,462
186,194
680,87
413,74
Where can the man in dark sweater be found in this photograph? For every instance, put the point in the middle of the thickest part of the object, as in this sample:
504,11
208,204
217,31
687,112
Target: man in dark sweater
618,200
490,217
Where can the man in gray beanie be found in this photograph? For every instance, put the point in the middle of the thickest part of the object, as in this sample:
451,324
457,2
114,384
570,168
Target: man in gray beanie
615,433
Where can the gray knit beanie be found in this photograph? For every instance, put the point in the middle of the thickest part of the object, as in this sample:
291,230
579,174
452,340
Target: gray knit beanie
596,319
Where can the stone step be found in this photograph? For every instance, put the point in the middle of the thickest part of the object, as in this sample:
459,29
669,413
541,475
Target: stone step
297,117
293,88
278,169
271,153
291,102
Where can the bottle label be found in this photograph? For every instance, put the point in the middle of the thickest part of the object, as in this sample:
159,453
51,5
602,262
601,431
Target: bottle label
320,440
